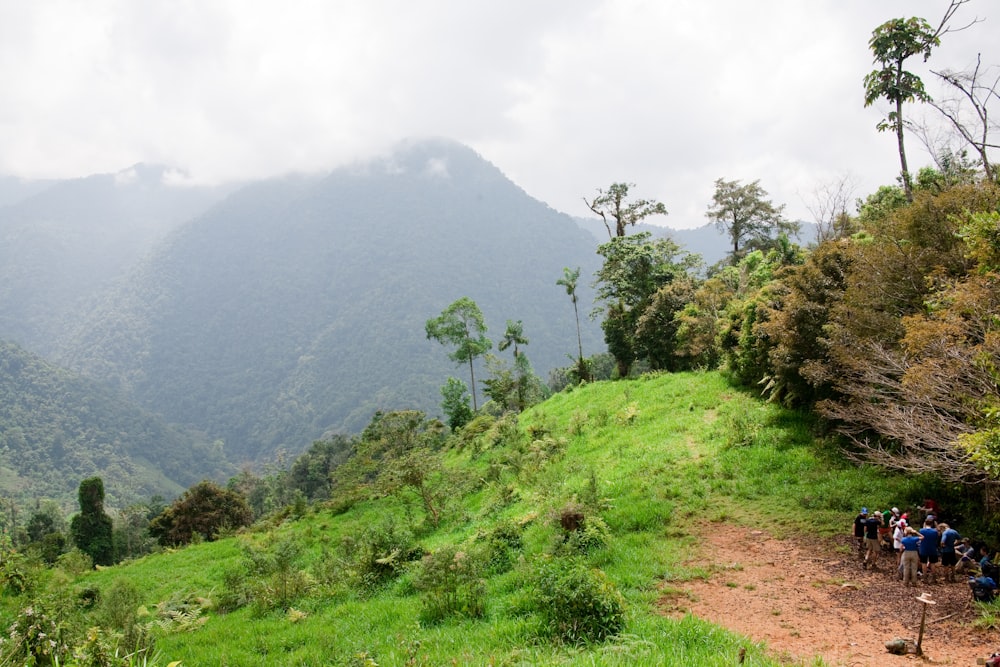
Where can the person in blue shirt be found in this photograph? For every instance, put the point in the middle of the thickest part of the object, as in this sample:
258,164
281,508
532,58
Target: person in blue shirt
909,560
930,538
949,557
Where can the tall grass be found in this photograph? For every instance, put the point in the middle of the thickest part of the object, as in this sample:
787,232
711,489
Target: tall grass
652,459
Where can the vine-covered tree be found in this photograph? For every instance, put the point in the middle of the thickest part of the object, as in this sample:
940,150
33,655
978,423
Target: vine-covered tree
92,529
461,324
615,204
746,215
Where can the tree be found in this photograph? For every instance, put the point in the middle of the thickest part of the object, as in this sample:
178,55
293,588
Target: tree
461,324
977,93
455,403
892,44
828,207
513,336
204,509
614,204
569,279
92,529
634,268
745,214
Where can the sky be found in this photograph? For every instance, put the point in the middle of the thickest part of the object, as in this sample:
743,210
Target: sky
564,96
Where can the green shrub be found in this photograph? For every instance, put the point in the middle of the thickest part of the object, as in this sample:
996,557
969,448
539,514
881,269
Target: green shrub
501,545
580,530
576,603
380,554
452,584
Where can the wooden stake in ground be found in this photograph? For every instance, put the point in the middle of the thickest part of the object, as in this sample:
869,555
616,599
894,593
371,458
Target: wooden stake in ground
925,599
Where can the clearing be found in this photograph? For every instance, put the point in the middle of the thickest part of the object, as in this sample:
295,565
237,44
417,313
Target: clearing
806,597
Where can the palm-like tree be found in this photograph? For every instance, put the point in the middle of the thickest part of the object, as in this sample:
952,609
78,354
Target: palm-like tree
569,279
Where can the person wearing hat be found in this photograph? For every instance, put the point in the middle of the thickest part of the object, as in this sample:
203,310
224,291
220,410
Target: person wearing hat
898,532
910,557
859,530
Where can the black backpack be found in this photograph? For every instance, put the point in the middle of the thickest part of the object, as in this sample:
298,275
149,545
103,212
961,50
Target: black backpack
991,570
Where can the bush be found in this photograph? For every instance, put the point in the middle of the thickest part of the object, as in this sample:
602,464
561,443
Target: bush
452,585
501,545
580,530
577,604
380,554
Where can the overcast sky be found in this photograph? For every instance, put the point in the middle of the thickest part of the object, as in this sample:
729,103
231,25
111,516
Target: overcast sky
563,96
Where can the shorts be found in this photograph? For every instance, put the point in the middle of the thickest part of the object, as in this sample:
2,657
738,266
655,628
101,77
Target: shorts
929,560
948,558
871,544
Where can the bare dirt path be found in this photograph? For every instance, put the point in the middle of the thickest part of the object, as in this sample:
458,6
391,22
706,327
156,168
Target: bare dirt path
808,598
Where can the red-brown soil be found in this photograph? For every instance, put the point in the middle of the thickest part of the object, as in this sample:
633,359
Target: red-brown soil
807,598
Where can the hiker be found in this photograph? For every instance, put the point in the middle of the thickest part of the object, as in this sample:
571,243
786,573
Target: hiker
984,588
929,510
929,541
859,530
910,557
899,531
966,556
872,546
949,557
884,530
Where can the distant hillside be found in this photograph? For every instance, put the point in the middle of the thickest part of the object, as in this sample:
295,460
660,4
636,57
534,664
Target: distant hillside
297,307
61,242
57,428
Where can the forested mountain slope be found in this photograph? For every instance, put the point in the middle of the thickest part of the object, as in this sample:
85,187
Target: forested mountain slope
57,428
296,307
61,242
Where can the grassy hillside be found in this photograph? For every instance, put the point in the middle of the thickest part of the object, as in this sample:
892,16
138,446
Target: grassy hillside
643,465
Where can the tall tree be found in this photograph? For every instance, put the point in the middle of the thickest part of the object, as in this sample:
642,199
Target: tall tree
892,44
569,280
461,324
92,529
614,204
745,214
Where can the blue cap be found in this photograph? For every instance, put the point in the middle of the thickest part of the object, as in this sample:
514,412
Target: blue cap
864,510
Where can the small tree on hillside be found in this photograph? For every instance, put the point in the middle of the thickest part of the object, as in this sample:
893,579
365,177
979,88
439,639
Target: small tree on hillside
461,324
92,529
204,509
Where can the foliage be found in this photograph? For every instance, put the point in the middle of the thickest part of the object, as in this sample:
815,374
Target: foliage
891,44
204,511
461,325
455,403
578,604
452,584
92,528
267,577
746,215
615,204
635,268
569,281
379,553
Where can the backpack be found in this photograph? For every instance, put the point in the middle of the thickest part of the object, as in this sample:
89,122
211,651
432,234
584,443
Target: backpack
981,590
991,570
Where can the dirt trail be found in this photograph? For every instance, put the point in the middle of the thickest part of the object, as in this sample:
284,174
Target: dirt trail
807,598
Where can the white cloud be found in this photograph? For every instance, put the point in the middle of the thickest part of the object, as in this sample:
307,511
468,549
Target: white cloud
565,97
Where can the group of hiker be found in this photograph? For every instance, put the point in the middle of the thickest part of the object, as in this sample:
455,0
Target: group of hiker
925,549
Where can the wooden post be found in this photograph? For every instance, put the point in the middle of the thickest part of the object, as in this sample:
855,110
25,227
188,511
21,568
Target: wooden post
925,600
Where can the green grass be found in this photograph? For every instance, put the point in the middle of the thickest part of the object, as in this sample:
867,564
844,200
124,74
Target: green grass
660,456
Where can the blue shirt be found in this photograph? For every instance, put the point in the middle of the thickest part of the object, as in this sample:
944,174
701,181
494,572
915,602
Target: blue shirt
948,540
910,542
929,541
